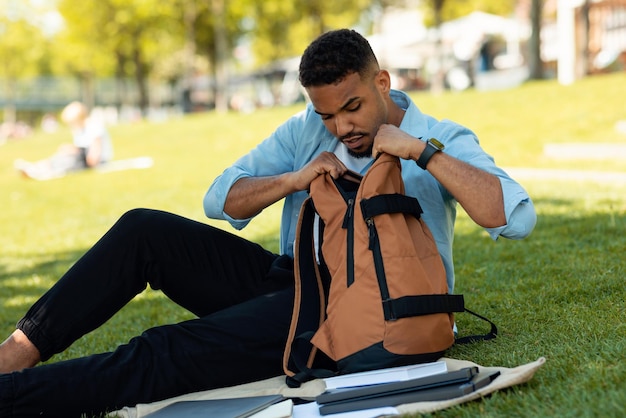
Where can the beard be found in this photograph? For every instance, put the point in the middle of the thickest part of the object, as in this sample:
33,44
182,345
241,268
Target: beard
358,154
361,154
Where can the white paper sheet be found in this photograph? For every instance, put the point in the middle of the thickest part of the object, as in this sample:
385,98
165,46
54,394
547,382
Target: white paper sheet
312,410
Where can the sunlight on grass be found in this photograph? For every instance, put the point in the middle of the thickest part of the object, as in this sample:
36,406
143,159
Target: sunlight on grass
559,293
19,301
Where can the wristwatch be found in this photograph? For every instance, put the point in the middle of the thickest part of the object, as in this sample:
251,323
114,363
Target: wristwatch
432,146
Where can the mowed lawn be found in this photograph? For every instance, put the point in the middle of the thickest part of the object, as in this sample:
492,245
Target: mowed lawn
559,294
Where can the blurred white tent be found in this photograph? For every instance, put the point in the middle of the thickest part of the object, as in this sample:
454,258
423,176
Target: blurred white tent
477,24
467,34
402,42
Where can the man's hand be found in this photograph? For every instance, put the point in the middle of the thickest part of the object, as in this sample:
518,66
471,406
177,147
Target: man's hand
392,140
250,195
326,162
477,191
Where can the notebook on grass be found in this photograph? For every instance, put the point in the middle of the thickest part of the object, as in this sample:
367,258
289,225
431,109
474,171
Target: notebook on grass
383,389
222,408
433,394
392,374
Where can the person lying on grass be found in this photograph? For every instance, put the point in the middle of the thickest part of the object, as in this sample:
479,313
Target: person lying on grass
91,146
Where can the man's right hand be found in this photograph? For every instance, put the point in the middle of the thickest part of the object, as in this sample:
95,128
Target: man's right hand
326,162
250,195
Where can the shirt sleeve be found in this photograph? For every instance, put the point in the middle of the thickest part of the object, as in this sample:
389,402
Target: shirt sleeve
273,156
521,216
518,207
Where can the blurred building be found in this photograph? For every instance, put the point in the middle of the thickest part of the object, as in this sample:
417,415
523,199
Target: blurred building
591,38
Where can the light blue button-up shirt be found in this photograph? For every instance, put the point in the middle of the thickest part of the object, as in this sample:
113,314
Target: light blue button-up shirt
302,137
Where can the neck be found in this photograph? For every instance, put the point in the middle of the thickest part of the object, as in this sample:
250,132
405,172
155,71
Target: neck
396,114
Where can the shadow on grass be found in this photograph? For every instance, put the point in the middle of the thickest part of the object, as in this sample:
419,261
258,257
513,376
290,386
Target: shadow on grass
556,293
568,269
24,280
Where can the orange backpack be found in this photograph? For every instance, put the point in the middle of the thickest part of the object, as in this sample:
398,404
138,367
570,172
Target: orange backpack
375,295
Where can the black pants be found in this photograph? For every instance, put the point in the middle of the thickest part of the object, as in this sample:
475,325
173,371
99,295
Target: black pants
241,293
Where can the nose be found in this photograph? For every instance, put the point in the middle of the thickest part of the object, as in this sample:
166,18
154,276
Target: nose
343,125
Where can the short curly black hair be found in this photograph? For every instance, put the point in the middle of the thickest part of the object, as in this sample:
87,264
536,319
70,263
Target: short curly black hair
335,55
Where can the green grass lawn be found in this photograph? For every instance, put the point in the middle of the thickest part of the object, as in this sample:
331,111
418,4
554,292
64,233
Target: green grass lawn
558,294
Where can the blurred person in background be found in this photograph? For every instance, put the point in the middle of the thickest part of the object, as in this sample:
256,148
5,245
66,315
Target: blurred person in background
91,147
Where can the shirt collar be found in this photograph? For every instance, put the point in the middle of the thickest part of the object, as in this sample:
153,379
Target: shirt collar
414,122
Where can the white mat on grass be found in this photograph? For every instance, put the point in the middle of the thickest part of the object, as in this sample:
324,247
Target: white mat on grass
276,385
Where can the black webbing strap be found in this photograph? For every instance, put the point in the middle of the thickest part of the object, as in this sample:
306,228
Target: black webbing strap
310,293
390,203
408,306
493,332
300,350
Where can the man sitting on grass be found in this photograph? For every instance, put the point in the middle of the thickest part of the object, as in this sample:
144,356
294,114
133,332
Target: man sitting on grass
241,293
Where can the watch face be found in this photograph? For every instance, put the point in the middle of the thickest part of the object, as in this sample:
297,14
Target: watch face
436,143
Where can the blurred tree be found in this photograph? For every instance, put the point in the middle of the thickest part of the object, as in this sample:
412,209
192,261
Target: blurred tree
218,9
140,39
282,29
21,52
453,9
217,29
125,37
75,46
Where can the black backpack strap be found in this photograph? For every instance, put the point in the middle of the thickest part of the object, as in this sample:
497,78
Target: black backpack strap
390,203
308,303
418,305
300,350
493,332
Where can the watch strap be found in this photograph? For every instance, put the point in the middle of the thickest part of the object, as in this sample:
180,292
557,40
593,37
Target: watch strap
427,154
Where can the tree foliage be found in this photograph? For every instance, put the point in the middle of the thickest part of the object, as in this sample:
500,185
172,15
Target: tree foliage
120,37
22,50
144,39
453,9
282,29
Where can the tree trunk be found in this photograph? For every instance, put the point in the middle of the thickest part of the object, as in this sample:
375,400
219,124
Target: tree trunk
219,65
535,64
10,113
190,14
585,37
436,82
121,91
141,77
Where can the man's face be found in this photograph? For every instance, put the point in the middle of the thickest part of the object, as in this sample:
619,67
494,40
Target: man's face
353,110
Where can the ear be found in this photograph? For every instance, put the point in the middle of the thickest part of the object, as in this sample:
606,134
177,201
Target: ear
383,81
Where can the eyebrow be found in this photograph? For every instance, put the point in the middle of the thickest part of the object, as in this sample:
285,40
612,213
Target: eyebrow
346,104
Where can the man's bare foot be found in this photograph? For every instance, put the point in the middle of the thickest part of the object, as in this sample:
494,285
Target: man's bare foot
17,353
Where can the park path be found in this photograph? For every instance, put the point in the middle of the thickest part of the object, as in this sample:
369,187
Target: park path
521,173
581,152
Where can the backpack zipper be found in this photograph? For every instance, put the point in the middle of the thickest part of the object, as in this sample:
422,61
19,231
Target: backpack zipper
374,246
348,224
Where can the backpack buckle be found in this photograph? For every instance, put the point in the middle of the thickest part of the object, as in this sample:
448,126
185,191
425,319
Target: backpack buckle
389,312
